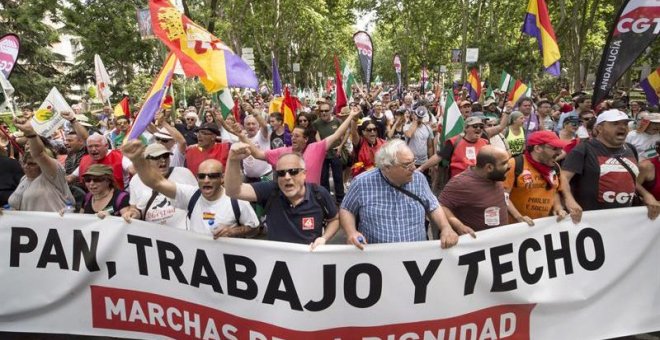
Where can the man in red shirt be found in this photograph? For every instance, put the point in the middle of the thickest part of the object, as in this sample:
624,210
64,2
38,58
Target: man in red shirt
206,148
98,153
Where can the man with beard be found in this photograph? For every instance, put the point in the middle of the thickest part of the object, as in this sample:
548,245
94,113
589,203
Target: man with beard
602,171
210,211
206,147
474,200
533,186
98,153
296,211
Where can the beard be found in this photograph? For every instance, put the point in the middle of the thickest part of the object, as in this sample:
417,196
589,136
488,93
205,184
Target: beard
497,176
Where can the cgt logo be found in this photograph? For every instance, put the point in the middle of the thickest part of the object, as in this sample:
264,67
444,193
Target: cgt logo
640,25
621,197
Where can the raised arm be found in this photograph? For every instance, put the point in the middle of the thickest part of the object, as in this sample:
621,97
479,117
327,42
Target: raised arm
504,120
341,130
46,163
234,186
176,135
80,130
150,177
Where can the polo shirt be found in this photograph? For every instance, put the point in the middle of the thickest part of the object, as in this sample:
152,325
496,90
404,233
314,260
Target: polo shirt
300,224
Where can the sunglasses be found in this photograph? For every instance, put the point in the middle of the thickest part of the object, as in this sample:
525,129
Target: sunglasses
370,129
291,172
157,158
477,126
123,122
163,140
324,111
302,120
190,119
586,119
94,179
211,175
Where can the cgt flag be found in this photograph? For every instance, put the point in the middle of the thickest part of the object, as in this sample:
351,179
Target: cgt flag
366,55
200,52
636,26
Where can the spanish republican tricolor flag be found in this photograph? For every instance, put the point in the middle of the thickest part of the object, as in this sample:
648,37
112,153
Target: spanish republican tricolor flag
651,86
201,54
518,90
474,85
537,24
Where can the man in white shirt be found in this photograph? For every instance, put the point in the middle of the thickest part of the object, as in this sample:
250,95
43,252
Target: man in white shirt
646,135
150,205
209,210
256,129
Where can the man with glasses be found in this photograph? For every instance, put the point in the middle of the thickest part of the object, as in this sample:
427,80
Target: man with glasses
394,188
461,151
209,210
206,148
189,128
296,211
150,205
533,186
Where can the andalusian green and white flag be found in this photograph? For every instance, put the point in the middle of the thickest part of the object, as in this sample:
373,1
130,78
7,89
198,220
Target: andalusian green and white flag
226,102
452,120
528,93
490,92
505,81
348,80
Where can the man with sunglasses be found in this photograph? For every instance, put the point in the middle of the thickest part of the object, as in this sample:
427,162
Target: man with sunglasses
150,205
209,210
296,211
326,125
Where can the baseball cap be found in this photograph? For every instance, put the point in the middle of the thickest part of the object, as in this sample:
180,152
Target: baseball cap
162,134
546,137
473,120
489,101
210,127
612,115
155,150
465,102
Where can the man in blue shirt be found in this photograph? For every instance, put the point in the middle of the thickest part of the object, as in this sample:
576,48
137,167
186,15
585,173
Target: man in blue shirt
296,211
380,208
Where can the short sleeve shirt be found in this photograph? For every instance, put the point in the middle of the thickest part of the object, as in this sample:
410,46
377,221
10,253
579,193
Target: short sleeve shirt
208,215
477,202
600,181
313,155
300,224
385,214
325,130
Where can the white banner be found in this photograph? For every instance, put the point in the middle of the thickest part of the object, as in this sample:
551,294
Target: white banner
78,274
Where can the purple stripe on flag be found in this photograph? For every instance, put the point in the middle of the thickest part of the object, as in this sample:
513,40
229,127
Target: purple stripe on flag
239,74
651,95
147,114
530,28
554,69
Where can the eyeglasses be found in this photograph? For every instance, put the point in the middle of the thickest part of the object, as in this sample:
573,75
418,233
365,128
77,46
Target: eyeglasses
490,125
163,140
477,126
94,179
586,119
291,172
211,175
123,122
407,166
371,129
157,158
324,111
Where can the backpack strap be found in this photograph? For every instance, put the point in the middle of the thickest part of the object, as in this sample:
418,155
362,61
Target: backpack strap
319,199
519,161
120,197
193,201
88,198
236,209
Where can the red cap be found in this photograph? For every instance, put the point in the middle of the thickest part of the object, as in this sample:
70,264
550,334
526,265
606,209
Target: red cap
546,137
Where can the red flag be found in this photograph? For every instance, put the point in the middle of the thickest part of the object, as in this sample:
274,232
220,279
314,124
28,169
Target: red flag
236,111
340,95
167,102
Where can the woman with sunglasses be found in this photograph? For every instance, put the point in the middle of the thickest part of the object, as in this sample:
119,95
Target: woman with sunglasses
104,198
44,186
366,142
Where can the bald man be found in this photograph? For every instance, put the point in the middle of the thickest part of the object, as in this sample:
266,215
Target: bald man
474,199
209,210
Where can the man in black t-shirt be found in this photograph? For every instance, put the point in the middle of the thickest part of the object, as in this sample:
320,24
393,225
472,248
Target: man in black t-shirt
602,171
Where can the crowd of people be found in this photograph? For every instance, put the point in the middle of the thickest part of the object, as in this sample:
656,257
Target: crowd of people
380,168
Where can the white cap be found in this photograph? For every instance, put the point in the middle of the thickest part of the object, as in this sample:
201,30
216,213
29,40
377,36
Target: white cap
163,134
612,115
